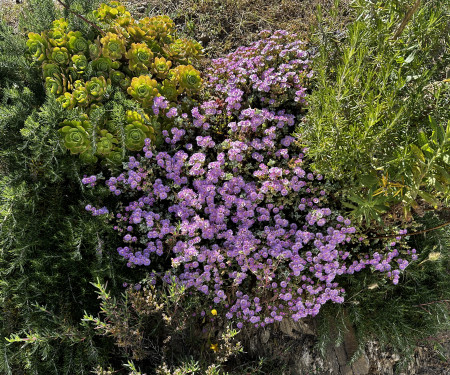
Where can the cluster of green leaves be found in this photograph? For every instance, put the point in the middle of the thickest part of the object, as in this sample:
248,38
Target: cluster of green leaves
397,317
377,122
49,250
142,58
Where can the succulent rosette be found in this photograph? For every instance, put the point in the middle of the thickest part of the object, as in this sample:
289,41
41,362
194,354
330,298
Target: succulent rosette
140,57
50,70
160,67
80,93
133,116
37,45
80,70
60,55
102,65
135,32
175,51
67,101
124,21
77,43
106,143
111,11
113,46
88,156
188,78
76,135
143,89
116,77
80,63
115,158
193,49
95,49
56,85
135,135
60,24
125,83
96,88
158,27
57,38
169,90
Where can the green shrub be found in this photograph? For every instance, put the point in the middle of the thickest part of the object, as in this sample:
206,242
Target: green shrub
378,113
91,73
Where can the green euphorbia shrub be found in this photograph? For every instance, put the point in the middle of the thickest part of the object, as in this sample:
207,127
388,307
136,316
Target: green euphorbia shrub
143,59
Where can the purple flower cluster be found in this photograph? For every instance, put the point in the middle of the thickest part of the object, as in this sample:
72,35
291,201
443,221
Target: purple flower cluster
271,71
232,202
96,211
90,181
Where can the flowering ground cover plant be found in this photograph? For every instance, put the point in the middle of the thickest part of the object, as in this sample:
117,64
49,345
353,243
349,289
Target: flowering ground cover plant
143,59
229,207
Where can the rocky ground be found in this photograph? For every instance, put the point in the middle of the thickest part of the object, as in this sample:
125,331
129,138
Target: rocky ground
296,344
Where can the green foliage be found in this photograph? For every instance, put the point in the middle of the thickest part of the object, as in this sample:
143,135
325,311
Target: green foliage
49,249
148,322
83,70
144,90
397,317
368,118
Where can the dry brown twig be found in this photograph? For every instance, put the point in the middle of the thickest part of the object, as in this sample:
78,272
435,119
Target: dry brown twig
81,17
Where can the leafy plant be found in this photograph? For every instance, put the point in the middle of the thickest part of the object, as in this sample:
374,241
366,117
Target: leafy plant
83,71
368,116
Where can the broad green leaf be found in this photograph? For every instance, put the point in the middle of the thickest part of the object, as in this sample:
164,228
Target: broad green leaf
368,180
443,174
446,159
427,150
417,152
422,139
428,198
438,131
409,58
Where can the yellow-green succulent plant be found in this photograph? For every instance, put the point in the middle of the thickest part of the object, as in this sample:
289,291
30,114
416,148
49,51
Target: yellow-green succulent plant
67,100
160,67
140,57
135,59
111,11
60,24
96,88
143,89
77,43
80,93
80,63
169,90
106,143
60,55
102,65
135,135
158,27
76,135
51,70
115,158
113,46
57,38
55,84
188,78
37,44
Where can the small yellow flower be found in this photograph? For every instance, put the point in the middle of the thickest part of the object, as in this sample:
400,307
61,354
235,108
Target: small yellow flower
214,347
214,312
434,256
